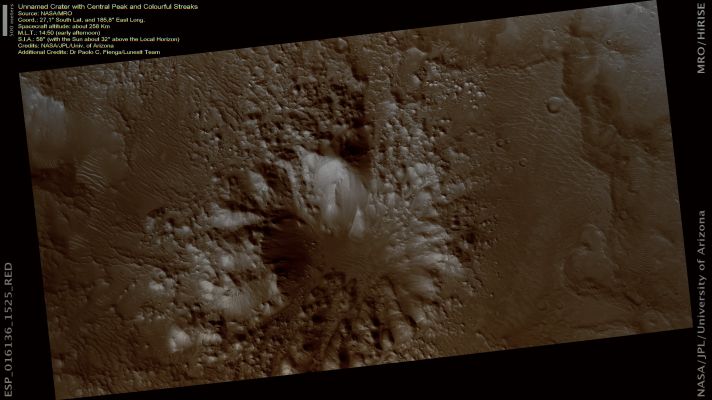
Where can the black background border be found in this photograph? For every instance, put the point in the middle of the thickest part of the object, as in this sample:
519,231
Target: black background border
660,365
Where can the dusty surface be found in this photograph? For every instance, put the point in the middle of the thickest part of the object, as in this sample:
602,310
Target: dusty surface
356,201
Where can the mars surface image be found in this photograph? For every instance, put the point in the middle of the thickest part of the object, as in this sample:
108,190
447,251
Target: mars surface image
356,201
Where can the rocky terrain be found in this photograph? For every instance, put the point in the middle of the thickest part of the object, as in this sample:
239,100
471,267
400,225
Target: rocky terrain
356,201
